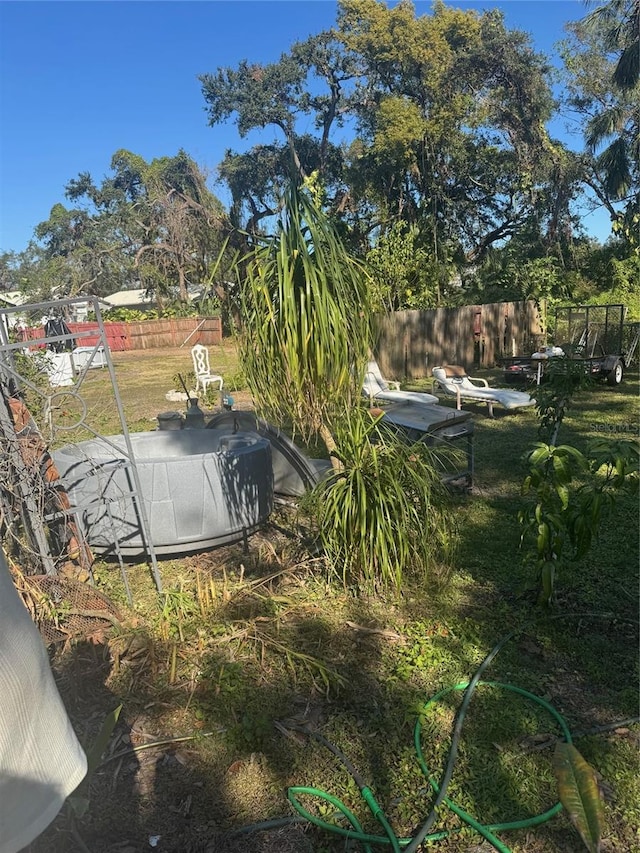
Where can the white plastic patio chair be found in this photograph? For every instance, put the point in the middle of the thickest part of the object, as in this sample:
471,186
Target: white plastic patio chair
202,370
452,379
377,388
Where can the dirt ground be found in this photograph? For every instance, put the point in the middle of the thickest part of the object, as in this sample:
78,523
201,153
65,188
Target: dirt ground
169,795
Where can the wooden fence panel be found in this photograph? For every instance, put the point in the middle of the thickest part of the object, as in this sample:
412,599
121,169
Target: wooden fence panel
175,332
116,333
411,343
146,334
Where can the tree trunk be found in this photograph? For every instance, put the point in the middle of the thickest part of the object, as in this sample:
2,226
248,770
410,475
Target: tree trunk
330,443
182,285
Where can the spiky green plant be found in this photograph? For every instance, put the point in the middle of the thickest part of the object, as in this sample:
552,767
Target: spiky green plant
384,512
306,321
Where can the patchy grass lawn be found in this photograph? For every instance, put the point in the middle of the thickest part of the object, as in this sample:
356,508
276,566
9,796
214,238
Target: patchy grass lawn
144,378
241,640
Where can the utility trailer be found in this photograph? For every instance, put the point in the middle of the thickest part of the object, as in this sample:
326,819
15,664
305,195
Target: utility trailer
595,335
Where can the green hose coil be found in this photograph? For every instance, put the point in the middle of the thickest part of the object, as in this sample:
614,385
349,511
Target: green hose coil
389,838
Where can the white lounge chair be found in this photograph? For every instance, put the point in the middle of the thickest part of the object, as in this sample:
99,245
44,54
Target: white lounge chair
454,382
375,387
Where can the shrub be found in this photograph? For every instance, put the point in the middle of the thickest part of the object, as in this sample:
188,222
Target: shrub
384,513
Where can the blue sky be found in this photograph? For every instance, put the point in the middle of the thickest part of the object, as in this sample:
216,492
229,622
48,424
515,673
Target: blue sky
80,80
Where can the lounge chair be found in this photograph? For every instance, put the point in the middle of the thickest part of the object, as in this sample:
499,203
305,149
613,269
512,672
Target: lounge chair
375,387
454,382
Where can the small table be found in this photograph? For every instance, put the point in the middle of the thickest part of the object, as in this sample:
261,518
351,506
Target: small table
436,425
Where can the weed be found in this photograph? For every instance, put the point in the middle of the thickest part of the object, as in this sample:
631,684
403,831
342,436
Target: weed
176,607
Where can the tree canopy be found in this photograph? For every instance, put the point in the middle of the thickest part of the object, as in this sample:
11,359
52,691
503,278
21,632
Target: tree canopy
155,223
447,117
603,66
427,136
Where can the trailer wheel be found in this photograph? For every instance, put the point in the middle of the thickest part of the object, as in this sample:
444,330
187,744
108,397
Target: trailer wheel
614,377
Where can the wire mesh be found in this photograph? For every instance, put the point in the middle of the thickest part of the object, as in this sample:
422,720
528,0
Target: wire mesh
66,609
44,374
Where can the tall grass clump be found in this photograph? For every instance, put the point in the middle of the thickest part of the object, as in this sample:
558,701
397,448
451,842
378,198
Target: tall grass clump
384,513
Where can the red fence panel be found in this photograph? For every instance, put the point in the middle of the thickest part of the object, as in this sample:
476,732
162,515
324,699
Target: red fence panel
117,335
146,334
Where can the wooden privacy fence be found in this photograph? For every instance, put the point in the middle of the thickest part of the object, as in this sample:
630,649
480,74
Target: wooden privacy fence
410,343
147,334
174,332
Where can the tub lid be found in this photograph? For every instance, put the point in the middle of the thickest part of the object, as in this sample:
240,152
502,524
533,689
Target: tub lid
293,472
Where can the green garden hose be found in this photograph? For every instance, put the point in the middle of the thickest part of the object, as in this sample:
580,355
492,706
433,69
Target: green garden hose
406,844
410,845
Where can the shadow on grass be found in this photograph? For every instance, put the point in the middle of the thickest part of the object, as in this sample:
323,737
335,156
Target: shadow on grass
392,657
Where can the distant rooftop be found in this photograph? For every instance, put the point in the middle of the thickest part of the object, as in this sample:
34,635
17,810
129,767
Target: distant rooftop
13,297
137,298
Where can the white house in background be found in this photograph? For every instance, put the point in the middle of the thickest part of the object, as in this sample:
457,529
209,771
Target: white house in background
78,312
137,299
12,298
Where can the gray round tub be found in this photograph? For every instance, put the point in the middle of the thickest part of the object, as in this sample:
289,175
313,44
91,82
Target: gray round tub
200,488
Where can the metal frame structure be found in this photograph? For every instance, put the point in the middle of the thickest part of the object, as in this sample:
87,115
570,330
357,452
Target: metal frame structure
12,379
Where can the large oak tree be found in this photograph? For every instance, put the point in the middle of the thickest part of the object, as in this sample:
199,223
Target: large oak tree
446,115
